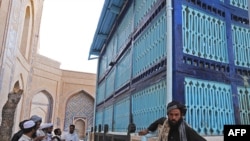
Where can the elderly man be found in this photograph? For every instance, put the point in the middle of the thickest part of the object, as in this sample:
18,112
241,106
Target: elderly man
173,128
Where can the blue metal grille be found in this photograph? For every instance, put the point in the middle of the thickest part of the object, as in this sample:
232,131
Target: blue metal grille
244,101
204,35
241,45
121,115
108,113
150,47
149,104
243,4
209,105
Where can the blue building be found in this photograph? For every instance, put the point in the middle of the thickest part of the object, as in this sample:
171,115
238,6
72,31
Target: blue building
153,51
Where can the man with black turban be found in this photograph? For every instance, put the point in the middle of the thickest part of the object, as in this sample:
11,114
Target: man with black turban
173,128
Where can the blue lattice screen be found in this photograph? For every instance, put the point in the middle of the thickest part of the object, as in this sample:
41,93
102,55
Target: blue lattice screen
125,29
123,70
107,57
241,45
150,47
108,113
244,104
204,35
149,104
209,104
243,4
121,115
142,7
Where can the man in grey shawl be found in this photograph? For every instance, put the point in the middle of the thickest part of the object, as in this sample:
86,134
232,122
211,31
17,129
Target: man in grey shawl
173,128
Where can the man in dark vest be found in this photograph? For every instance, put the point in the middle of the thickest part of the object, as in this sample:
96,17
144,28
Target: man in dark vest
173,128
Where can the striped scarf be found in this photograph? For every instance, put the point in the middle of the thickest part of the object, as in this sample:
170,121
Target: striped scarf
165,128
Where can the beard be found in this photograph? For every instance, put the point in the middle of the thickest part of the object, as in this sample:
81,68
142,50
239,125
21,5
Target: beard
174,123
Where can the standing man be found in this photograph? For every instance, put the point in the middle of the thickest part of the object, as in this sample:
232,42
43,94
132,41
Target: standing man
71,135
29,128
18,134
174,128
38,121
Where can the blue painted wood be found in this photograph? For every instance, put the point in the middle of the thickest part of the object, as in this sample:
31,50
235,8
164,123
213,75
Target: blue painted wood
149,104
108,117
210,65
121,115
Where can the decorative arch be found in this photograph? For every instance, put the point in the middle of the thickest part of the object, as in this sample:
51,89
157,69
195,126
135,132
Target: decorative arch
79,107
27,33
42,105
70,94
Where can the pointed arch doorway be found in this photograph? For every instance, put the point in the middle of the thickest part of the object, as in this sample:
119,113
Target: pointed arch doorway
42,105
80,123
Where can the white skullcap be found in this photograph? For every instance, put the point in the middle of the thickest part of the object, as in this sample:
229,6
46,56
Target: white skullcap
28,124
46,125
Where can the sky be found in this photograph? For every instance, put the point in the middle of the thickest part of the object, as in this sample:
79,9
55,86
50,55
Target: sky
67,30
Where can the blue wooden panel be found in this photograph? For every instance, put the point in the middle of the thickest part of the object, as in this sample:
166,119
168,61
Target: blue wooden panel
150,47
110,83
102,67
108,117
125,29
203,35
243,4
123,73
241,45
121,115
99,118
100,93
209,105
142,7
149,104
244,104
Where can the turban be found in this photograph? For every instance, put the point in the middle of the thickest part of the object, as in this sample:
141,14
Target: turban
36,118
176,105
46,125
28,124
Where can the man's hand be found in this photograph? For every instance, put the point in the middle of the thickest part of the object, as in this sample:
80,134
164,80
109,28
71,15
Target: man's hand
39,138
143,132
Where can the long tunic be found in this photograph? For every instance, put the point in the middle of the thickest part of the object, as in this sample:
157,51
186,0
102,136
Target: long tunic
25,138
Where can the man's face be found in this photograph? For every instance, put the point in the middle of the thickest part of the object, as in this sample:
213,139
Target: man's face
174,115
71,129
59,132
50,129
38,123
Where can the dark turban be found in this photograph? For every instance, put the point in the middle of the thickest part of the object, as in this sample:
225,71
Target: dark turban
176,105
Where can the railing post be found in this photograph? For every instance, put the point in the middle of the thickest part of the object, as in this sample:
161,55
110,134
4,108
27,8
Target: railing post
106,129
